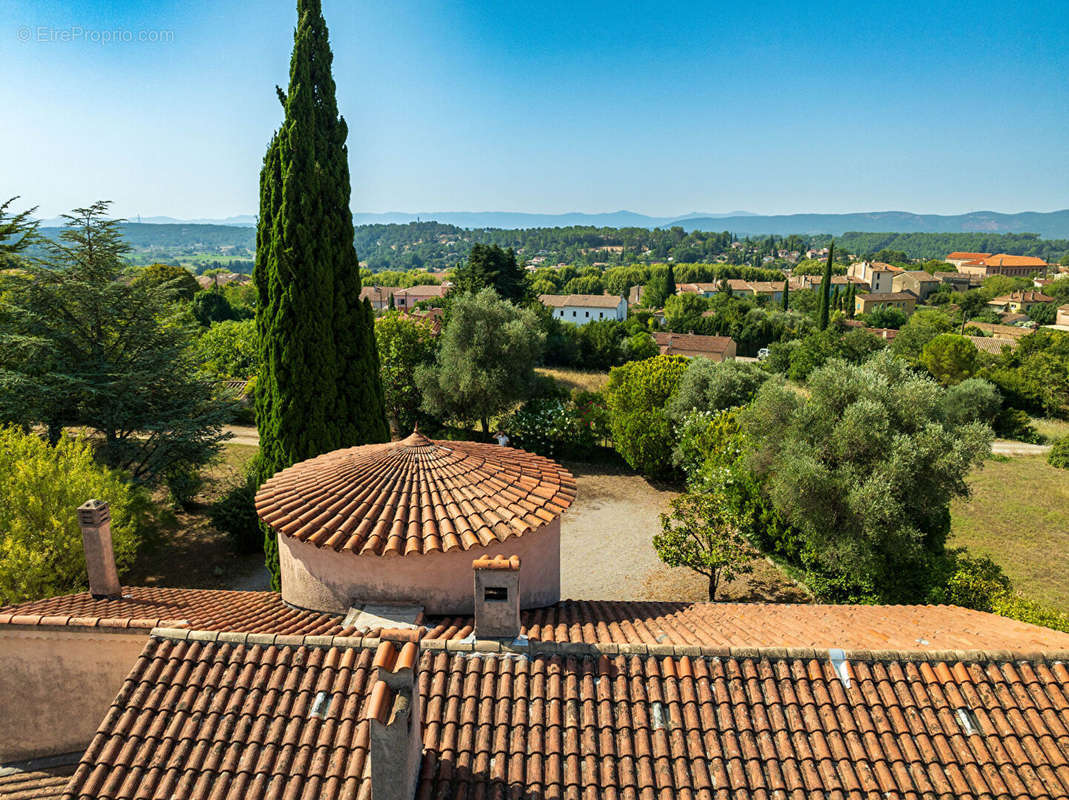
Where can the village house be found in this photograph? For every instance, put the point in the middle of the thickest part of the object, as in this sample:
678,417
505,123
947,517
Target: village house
580,309
1062,317
958,281
773,290
1019,302
904,301
918,282
1003,264
875,274
221,279
408,298
957,258
691,345
991,345
378,296
418,649
999,331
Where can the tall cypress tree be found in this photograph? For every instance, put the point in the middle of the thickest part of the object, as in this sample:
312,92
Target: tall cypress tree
786,293
825,289
670,281
319,387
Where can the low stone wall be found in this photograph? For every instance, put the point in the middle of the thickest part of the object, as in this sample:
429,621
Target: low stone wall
443,583
56,685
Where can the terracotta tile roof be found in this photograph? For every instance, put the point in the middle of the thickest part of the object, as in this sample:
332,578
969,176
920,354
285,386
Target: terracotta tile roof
38,778
882,297
684,344
922,629
989,344
580,300
415,496
961,256
423,290
1006,260
511,563
147,607
220,719
645,727
1023,297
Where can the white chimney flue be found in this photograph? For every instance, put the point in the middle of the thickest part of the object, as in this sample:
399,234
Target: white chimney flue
94,518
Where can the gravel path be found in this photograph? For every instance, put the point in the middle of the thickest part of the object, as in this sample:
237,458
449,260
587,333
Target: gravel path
1005,447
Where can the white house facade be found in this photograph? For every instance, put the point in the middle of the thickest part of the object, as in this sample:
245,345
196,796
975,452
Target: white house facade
579,309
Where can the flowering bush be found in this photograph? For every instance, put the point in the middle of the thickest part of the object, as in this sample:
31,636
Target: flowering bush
559,428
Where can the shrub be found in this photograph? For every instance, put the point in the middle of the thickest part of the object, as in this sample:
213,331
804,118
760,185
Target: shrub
42,486
235,514
558,428
1059,454
709,386
636,398
183,483
1012,423
979,583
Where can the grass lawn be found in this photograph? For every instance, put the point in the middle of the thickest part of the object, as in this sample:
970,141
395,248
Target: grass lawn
1051,429
1019,516
587,380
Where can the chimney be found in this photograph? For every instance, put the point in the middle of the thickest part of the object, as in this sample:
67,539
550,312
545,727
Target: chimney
497,597
393,712
94,518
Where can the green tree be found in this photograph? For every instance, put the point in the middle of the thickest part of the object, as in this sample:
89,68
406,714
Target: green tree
950,358
697,534
405,344
786,295
81,348
711,386
864,467
17,232
637,396
178,279
490,266
670,281
319,386
485,361
230,350
825,289
640,346
1043,313
886,317
922,327
40,541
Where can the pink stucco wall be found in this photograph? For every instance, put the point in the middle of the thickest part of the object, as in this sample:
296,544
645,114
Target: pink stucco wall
56,685
326,580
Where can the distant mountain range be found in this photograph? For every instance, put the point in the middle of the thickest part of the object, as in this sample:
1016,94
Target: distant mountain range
1050,225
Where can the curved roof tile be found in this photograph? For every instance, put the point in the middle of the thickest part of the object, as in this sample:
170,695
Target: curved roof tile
415,496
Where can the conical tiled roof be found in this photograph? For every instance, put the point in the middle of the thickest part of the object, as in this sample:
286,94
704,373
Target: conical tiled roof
415,496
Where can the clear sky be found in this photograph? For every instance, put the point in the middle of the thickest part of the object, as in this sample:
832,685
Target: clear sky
474,105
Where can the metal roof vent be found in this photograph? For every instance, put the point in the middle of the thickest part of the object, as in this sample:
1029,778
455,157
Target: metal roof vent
968,721
840,665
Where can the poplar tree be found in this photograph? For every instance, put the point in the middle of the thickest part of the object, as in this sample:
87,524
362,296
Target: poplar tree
319,387
825,289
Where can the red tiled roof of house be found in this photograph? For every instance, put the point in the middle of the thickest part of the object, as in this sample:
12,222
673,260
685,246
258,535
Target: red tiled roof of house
683,344
147,607
881,297
244,717
415,496
1006,260
991,345
620,726
234,719
1023,297
961,255
580,300
37,779
423,290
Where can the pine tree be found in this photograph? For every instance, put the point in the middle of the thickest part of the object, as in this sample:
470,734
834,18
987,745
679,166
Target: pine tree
825,289
319,387
786,292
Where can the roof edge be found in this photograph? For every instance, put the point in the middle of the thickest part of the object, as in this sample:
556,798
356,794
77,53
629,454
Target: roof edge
581,649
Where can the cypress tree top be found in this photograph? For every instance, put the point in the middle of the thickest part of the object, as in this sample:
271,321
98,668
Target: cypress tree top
319,386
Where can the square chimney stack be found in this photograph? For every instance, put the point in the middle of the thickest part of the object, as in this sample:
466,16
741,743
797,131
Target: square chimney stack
94,518
497,597
393,712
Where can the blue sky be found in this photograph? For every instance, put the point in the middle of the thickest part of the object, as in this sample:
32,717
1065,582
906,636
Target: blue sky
661,108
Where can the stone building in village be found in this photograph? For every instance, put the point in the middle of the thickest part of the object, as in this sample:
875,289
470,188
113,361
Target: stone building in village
473,680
